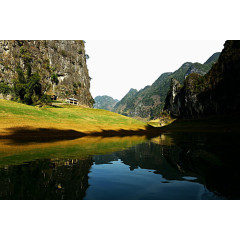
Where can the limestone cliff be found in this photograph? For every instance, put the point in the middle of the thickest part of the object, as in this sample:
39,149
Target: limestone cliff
218,92
61,65
149,101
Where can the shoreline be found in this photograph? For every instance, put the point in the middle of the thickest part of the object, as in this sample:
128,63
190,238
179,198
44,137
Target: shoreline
30,134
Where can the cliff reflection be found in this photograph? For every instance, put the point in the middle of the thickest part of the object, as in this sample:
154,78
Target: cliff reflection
207,159
45,179
194,166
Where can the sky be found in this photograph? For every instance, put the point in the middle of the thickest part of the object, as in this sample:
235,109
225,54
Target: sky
117,66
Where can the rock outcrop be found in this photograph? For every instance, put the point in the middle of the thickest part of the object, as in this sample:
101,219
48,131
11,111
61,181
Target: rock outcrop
61,65
149,101
174,99
217,92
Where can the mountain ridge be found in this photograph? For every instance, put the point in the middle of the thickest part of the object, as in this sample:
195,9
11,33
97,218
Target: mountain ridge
104,102
217,92
148,102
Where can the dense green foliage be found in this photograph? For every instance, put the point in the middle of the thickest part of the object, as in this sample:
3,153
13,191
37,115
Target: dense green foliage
27,89
25,55
54,78
5,88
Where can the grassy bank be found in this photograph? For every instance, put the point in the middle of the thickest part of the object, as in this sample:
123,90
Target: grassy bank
16,115
59,122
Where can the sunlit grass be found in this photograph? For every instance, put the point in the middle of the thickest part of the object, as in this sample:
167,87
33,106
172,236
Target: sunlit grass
161,122
14,114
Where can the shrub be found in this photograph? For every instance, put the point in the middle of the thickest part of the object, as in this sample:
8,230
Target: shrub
34,85
92,101
54,79
29,70
27,90
46,99
21,77
22,50
19,90
25,55
5,88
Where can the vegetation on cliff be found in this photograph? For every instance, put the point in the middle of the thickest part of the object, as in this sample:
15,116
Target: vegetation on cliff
149,102
126,103
58,67
217,92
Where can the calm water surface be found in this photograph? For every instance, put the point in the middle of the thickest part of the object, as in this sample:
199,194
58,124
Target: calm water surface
179,166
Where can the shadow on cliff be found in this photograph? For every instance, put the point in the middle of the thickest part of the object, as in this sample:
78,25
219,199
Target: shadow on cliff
23,135
221,123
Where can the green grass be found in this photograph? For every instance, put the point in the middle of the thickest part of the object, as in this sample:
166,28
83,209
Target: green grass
64,117
15,115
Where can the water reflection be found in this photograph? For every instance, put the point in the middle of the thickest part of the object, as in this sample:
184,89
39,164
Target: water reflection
189,166
45,179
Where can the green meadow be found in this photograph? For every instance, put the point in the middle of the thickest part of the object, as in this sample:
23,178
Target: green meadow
13,114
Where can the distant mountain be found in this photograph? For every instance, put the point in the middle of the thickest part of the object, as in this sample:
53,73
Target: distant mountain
104,102
126,102
217,92
213,58
149,101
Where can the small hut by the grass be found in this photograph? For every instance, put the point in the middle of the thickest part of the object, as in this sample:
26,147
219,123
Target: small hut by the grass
73,101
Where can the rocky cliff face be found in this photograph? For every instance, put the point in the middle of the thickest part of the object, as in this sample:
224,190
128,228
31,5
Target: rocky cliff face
215,93
61,65
149,101
173,99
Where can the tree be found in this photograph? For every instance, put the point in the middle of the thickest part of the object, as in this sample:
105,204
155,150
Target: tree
54,79
27,90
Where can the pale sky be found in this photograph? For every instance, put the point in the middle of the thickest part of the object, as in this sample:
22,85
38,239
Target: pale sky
117,66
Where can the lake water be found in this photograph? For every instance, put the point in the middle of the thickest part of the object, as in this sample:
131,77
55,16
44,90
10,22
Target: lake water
170,166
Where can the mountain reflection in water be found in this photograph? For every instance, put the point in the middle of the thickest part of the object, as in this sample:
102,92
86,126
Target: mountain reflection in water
179,166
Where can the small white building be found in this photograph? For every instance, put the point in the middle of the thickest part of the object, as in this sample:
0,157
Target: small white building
72,101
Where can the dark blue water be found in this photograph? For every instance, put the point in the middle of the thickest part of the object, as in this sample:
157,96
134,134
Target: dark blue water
116,181
182,167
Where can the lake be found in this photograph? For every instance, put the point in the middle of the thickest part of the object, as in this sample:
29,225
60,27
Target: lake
176,166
